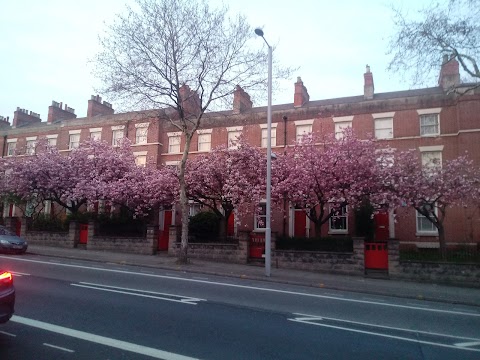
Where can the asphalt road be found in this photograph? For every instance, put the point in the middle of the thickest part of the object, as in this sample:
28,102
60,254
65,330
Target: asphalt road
70,309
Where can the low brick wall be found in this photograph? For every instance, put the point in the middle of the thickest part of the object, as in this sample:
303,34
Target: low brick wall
234,253
44,238
131,245
455,274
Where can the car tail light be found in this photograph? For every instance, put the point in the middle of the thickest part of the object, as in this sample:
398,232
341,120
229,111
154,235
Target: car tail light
6,278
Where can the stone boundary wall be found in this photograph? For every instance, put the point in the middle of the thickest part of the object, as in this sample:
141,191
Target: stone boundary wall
231,253
45,238
132,245
333,262
455,274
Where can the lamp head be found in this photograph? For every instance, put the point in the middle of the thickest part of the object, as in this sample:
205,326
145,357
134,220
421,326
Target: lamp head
259,32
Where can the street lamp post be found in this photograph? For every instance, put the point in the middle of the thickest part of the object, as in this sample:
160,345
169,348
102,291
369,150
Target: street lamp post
268,230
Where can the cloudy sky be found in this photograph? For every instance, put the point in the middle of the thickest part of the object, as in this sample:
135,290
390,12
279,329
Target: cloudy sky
46,46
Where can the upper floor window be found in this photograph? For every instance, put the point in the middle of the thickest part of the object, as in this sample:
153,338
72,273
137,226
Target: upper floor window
429,121
273,134
384,128
140,158
141,136
30,148
431,156
74,141
234,134
52,140
96,134
339,221
11,145
141,133
116,136
342,123
174,140
204,139
302,128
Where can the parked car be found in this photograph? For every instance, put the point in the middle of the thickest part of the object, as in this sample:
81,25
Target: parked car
7,296
10,242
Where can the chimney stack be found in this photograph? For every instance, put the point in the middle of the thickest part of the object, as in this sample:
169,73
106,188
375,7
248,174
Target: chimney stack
4,122
190,101
56,112
368,87
241,100
301,96
96,107
449,73
22,117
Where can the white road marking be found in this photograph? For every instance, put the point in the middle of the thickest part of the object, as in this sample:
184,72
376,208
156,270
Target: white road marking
7,333
59,348
385,335
19,273
142,293
421,305
467,344
102,340
199,278
253,288
306,317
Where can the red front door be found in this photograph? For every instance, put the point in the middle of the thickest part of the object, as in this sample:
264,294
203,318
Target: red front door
83,233
381,226
231,225
163,234
300,224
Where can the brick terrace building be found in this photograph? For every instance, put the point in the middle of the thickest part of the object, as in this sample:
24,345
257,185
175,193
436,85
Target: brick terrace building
438,122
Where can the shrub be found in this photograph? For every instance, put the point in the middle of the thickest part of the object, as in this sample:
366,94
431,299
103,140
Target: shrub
328,244
204,226
119,225
47,223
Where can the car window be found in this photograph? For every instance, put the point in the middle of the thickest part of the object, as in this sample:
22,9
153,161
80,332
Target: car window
5,231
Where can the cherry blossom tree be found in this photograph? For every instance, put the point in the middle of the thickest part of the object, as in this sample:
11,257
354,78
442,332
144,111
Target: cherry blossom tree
322,175
143,189
431,188
225,180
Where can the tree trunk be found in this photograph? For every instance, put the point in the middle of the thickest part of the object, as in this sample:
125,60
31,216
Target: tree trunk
442,241
183,254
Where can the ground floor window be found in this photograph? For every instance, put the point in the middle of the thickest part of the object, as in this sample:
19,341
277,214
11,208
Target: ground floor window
339,221
261,216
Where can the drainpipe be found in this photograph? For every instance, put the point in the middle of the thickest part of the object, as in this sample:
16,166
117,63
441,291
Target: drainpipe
285,118
4,145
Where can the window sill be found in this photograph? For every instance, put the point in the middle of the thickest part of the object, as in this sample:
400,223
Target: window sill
426,233
337,232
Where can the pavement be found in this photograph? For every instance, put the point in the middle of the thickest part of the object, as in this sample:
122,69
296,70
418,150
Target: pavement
375,286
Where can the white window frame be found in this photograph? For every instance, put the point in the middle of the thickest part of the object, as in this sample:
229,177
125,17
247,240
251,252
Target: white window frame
302,127
341,123
383,128
420,232
424,114
52,140
233,133
343,215
11,146
431,152
140,158
117,134
273,134
174,143
141,134
204,142
30,145
74,141
259,215
194,208
96,134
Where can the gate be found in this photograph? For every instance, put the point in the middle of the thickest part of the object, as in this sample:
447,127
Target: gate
257,245
83,233
376,255
163,235
18,226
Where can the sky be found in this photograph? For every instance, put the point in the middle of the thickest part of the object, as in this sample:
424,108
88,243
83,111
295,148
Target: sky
47,46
